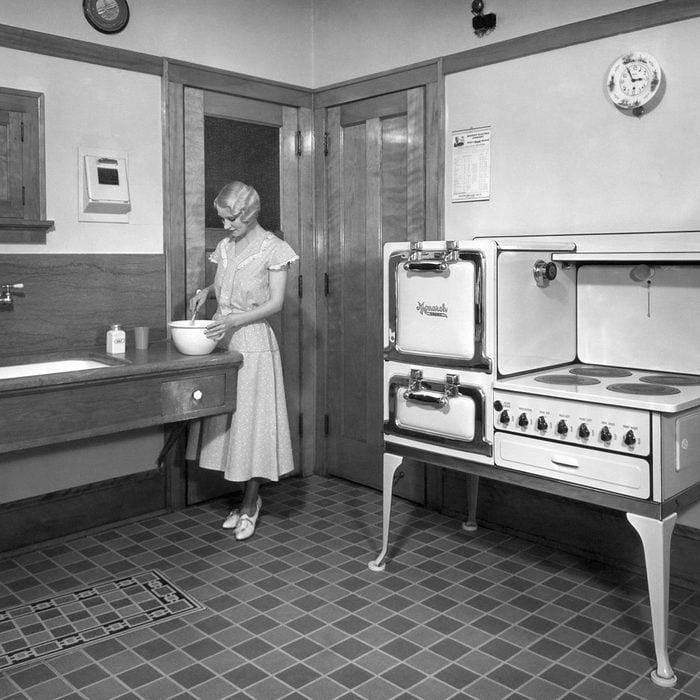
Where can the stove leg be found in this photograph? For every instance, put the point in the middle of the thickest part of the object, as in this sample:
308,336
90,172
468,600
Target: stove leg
656,540
391,464
469,525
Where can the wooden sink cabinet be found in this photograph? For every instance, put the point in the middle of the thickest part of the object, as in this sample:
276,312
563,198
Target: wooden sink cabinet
140,388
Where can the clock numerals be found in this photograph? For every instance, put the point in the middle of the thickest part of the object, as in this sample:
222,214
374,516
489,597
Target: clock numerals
633,80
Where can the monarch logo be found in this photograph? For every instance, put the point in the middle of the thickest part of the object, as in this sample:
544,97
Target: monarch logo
426,310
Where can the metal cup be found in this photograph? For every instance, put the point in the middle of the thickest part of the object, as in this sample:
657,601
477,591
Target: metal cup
141,337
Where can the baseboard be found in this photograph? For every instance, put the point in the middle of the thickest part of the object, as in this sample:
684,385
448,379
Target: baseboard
587,530
41,518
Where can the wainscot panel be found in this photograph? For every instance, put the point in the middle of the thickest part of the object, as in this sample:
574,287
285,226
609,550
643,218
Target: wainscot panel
33,520
69,301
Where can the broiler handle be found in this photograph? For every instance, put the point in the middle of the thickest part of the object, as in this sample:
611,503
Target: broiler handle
425,397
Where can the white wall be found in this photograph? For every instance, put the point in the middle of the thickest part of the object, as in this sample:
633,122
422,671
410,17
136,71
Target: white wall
265,38
102,108
564,159
311,43
354,38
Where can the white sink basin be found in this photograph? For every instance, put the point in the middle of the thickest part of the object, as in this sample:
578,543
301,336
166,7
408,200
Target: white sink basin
52,367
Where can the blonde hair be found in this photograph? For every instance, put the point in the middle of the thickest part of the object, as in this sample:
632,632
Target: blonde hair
239,198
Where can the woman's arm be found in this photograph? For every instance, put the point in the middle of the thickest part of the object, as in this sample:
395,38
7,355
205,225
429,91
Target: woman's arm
278,283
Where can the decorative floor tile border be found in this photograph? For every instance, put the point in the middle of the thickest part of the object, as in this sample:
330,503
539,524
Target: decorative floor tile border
50,626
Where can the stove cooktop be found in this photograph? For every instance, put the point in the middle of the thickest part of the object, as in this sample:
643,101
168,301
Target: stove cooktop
619,386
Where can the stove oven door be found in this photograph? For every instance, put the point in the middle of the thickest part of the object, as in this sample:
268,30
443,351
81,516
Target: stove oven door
437,303
438,409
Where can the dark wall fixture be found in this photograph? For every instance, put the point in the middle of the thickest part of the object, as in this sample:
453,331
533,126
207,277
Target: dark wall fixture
483,24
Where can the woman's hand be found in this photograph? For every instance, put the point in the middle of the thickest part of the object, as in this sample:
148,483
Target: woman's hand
198,300
220,325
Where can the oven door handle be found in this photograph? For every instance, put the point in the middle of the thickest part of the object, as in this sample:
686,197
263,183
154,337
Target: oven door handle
428,398
568,462
426,266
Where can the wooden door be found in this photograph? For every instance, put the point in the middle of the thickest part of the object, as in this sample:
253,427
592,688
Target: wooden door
375,193
233,138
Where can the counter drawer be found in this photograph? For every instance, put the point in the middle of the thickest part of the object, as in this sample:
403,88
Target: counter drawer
622,474
192,394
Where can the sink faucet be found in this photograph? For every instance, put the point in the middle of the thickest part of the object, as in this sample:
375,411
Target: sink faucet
6,290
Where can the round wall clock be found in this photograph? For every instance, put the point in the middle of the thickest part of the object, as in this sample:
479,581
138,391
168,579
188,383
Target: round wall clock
633,80
107,16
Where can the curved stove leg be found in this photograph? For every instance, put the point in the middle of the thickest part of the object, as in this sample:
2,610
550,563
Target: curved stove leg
469,525
656,540
391,464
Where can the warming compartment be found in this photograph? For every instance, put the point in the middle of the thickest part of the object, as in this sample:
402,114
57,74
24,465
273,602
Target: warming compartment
437,304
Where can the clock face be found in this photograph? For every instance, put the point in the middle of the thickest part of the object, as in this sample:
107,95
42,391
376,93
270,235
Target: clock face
633,80
107,16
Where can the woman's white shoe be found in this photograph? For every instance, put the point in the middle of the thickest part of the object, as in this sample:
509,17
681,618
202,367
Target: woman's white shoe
232,520
246,524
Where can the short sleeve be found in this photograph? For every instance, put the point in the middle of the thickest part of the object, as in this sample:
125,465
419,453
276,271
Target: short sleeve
215,257
281,255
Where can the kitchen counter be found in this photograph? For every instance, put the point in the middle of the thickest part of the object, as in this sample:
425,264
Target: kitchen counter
138,389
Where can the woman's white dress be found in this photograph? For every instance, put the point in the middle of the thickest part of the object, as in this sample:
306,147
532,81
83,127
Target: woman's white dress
257,443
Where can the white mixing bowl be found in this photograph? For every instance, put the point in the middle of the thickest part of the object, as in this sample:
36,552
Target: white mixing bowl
189,337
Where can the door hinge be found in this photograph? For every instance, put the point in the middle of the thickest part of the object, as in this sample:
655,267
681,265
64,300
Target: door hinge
300,286
326,284
298,143
301,425
21,132
326,424
24,199
326,143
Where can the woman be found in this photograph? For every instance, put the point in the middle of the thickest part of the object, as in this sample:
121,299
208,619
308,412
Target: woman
253,444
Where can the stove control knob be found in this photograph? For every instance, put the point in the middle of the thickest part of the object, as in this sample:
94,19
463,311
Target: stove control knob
562,427
542,423
504,417
523,422
583,431
544,272
629,438
497,405
605,434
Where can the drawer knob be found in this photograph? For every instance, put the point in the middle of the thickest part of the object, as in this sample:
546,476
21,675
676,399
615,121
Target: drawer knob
197,394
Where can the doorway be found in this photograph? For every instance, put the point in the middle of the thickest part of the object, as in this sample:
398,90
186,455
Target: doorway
231,138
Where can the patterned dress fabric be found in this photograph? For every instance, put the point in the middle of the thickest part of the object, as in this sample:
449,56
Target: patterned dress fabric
257,443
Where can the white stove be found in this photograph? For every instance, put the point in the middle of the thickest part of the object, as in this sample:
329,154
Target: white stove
507,358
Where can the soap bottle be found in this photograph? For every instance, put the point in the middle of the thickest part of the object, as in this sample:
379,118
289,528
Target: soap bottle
116,340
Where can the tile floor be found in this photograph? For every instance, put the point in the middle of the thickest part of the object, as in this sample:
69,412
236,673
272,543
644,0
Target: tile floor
295,612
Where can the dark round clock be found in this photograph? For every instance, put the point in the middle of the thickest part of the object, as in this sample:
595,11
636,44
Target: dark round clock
107,16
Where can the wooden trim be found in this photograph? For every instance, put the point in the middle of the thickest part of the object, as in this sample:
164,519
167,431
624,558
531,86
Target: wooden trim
175,213
380,106
319,309
245,109
622,22
416,226
379,84
23,231
308,269
77,50
41,518
194,191
231,83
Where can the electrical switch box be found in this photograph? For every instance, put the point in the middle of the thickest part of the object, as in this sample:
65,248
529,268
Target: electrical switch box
104,187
